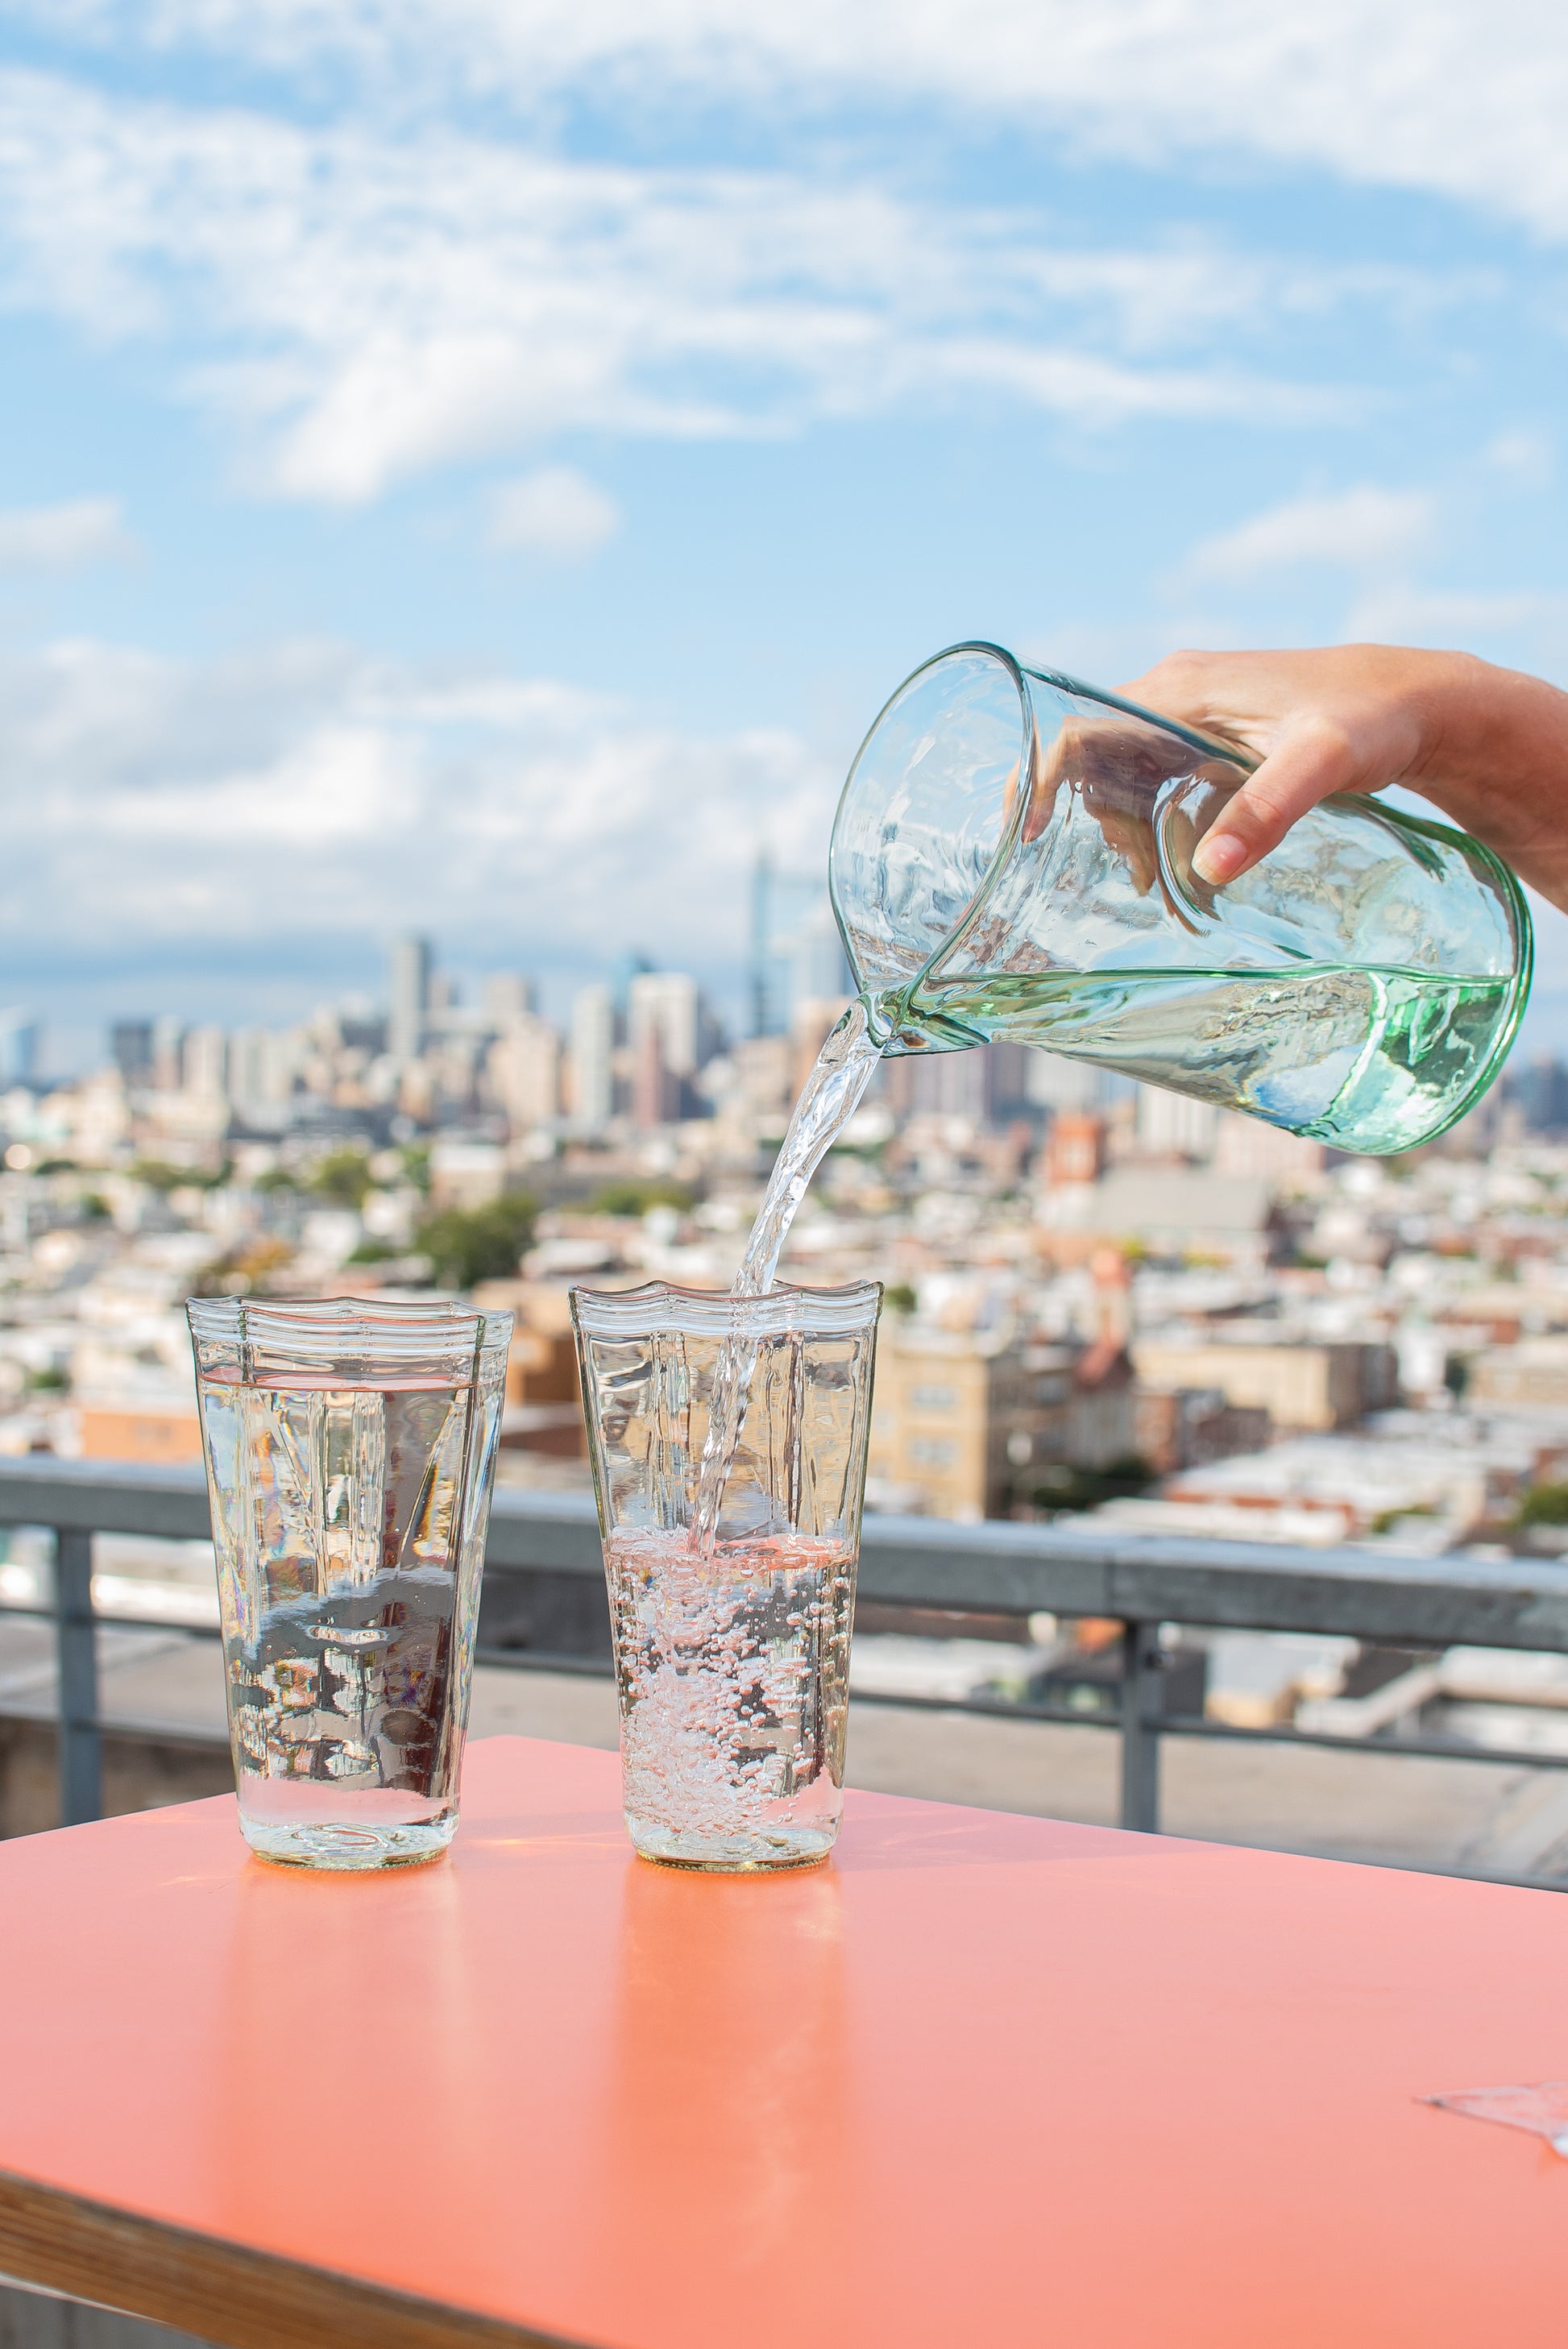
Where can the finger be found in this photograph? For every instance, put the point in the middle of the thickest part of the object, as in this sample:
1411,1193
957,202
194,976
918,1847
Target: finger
1309,762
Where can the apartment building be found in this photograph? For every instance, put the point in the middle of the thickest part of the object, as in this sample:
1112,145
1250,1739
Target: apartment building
1301,1385
961,1424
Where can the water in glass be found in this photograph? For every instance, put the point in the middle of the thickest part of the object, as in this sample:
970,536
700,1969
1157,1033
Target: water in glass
347,1616
734,1685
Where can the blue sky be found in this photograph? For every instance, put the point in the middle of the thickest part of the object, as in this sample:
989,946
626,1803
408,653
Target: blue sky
481,463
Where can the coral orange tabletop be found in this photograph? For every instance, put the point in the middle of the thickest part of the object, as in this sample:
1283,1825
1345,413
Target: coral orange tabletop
979,2079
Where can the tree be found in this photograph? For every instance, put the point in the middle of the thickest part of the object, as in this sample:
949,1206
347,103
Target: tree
466,1245
1543,1505
159,1175
343,1178
634,1195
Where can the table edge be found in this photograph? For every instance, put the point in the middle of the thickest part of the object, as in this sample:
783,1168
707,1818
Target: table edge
223,2291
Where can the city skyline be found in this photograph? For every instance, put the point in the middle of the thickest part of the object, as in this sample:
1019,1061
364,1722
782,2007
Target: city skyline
792,947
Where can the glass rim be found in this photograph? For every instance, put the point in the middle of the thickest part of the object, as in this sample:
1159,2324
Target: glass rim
787,1309
321,1331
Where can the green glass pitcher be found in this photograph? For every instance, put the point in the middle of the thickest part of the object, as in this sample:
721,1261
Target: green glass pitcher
1013,857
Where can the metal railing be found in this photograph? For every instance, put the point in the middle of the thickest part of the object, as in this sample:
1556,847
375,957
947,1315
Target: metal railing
1067,1568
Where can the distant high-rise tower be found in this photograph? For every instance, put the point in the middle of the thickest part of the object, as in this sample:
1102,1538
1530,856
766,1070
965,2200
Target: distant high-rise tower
411,965
524,1070
130,1050
623,971
18,1046
818,964
507,995
670,1035
796,953
206,1063
168,1054
669,1002
592,1056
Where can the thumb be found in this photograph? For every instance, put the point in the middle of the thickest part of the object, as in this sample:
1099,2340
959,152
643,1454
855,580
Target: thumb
1306,763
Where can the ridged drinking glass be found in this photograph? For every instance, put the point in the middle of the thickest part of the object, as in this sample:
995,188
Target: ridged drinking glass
732,1652
350,1448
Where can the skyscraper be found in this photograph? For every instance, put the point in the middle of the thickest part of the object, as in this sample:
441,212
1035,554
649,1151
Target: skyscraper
168,1054
411,964
206,1063
592,1056
787,919
669,1002
130,1050
818,964
18,1046
524,1070
507,995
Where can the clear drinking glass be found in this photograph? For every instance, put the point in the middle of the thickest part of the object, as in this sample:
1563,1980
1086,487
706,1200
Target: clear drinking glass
732,1655
1011,858
350,1449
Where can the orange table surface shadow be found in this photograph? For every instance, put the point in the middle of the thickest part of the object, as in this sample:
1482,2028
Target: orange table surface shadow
981,2078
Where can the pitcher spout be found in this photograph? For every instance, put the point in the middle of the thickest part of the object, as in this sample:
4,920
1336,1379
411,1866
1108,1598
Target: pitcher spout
897,1026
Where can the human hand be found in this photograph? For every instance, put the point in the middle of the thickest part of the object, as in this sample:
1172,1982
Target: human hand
1487,746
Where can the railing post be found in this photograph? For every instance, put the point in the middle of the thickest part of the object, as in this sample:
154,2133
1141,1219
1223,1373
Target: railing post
1142,1701
81,1752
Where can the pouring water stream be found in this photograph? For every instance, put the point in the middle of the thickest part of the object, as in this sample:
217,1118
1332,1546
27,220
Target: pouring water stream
828,1099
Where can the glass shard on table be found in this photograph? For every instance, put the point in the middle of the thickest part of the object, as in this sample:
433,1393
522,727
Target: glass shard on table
1542,2108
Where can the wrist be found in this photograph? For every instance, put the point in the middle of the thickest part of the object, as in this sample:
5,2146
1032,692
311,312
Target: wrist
1488,737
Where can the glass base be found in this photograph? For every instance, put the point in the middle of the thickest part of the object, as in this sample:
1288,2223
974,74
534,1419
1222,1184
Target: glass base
755,1853
324,1842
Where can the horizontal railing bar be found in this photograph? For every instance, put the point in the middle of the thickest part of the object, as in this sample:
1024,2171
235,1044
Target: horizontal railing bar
1224,1585
105,1497
991,1567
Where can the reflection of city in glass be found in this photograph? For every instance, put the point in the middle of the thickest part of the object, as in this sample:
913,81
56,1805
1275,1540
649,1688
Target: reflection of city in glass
348,1517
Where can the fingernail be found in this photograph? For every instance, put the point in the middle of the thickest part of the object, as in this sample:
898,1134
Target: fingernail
1218,857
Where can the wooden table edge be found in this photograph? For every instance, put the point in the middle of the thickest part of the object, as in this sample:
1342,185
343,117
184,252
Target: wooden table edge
221,2290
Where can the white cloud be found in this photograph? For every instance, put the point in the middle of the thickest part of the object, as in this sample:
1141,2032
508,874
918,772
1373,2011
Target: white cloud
1401,614
1444,95
307,791
1361,529
555,511
368,307
1527,458
62,537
